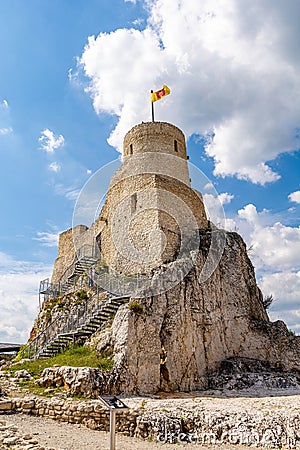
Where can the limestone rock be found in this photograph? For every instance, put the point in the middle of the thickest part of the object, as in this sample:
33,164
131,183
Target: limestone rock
244,373
186,332
23,374
76,380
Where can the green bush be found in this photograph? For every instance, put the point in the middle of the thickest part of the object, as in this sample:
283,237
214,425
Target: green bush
135,307
82,295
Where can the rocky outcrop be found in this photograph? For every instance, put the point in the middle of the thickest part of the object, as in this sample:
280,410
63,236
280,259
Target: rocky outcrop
176,340
245,373
22,375
85,381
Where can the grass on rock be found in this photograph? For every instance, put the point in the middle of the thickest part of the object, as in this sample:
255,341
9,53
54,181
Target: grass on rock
74,357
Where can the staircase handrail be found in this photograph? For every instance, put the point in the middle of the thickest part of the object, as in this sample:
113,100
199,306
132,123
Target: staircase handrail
62,326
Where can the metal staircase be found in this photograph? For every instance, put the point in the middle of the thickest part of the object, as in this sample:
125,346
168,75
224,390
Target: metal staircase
79,324
86,257
87,318
74,327
81,328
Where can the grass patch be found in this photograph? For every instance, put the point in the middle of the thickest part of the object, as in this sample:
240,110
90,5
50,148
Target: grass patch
74,357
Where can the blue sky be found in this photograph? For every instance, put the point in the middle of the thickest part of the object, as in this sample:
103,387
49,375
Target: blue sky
76,75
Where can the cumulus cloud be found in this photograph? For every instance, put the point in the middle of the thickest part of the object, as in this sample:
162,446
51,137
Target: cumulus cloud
19,281
285,288
225,198
276,246
50,142
233,70
55,167
295,197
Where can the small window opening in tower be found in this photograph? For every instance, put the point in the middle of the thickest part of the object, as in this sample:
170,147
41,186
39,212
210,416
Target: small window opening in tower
176,146
131,149
133,203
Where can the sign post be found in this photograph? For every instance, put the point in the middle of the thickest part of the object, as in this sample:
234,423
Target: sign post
114,404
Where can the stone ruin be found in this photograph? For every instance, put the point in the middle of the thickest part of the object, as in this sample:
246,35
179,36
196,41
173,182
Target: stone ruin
191,301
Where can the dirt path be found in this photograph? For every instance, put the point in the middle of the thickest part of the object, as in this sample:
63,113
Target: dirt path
65,436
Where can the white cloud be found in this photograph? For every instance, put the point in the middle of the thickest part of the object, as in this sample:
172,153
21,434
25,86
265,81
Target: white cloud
4,104
19,281
213,204
47,239
49,141
225,198
295,197
54,167
6,130
233,71
88,171
275,246
285,288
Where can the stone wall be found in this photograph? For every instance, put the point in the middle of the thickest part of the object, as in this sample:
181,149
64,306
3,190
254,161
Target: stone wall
270,423
66,250
93,414
155,137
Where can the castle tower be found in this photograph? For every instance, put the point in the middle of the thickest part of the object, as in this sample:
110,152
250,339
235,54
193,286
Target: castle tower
151,212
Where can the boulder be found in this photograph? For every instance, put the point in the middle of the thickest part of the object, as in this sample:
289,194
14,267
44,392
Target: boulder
85,381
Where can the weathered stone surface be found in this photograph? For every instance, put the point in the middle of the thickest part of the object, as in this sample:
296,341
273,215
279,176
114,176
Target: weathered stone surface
185,333
6,405
76,380
23,374
244,373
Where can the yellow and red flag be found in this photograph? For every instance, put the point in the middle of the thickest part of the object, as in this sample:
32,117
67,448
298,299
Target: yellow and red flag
157,95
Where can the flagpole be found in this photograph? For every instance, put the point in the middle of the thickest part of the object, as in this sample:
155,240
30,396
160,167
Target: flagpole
152,107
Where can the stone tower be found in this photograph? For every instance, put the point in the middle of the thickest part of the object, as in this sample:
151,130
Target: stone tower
151,211
151,214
